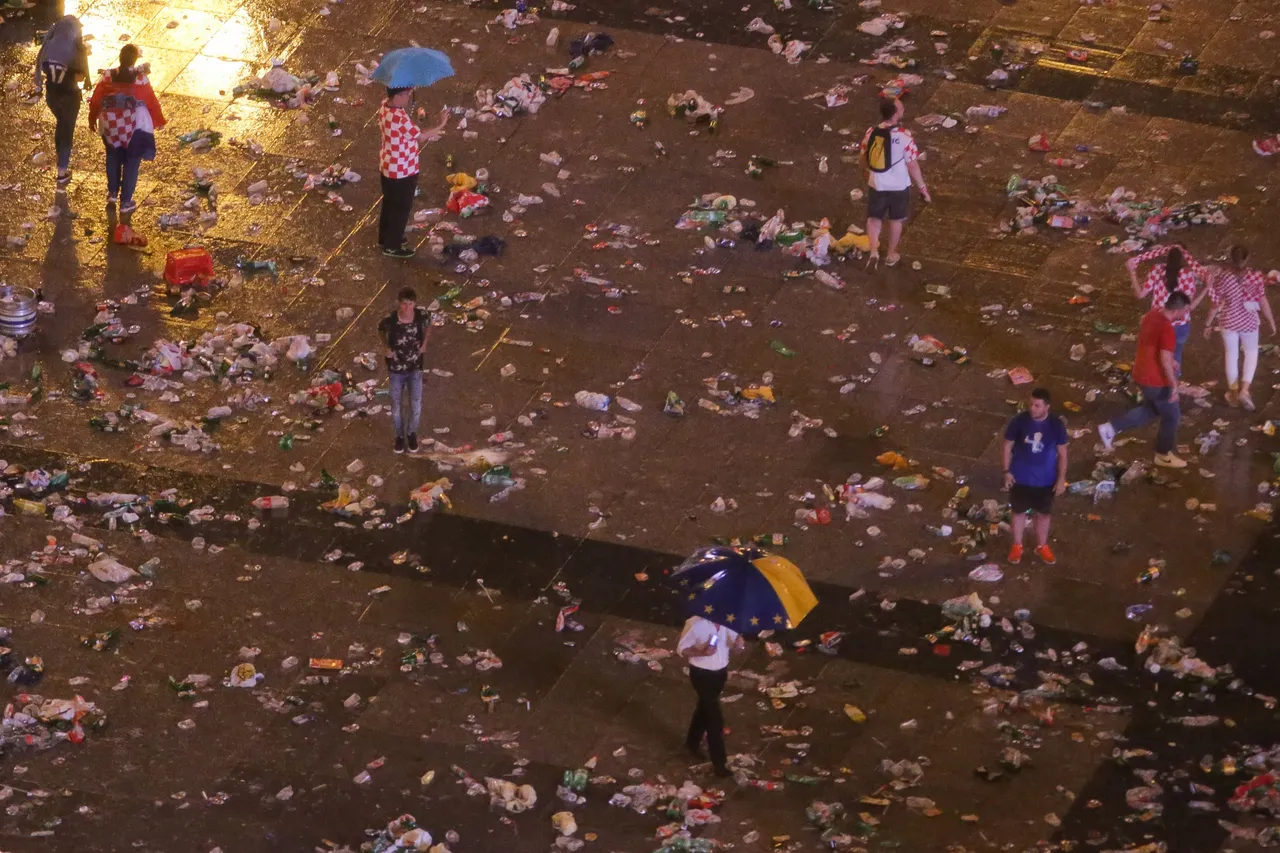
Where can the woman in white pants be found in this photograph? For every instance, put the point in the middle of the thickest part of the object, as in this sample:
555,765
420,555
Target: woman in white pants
1238,297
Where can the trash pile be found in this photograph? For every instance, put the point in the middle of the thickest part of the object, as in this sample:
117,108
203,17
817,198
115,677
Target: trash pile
717,213
34,722
282,89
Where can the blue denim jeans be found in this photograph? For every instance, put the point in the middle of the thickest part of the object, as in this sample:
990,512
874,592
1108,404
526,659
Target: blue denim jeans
412,382
1155,404
122,173
1181,333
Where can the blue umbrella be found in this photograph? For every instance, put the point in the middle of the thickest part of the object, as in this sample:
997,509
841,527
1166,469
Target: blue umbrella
744,588
412,68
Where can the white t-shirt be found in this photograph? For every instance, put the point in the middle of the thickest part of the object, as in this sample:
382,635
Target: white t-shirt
698,631
902,150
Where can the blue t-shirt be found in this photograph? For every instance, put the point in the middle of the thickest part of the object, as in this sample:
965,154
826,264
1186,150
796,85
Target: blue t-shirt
1035,449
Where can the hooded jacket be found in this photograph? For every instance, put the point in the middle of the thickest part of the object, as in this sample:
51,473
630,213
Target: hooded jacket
64,48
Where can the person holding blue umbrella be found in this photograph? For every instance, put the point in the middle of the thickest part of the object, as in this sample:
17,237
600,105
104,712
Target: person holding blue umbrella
705,645
730,589
402,71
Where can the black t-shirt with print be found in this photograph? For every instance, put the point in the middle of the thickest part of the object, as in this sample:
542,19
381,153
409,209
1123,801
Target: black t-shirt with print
405,340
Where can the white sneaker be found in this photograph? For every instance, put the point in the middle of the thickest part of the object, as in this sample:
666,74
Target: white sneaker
1169,460
1107,433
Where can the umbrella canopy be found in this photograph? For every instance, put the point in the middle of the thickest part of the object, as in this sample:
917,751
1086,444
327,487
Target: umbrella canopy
744,588
412,68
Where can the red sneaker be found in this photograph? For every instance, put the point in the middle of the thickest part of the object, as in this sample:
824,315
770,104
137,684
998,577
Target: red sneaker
1015,554
1046,555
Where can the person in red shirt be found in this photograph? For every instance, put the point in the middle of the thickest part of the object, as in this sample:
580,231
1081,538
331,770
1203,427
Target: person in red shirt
125,112
1156,372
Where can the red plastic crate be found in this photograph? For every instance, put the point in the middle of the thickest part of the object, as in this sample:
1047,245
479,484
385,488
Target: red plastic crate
183,266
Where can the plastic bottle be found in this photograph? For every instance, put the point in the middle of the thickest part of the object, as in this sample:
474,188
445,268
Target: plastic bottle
781,349
1149,574
271,502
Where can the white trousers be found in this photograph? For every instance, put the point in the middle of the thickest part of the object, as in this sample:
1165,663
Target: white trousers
1232,343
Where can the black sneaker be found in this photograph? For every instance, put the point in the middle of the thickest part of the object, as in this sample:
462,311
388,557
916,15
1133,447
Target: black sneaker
402,252
413,442
399,444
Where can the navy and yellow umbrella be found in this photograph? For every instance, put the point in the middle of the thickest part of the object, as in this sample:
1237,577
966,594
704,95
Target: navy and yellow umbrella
744,588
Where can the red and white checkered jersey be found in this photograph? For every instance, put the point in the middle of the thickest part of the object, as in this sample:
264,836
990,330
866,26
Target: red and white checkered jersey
1155,282
398,157
1238,295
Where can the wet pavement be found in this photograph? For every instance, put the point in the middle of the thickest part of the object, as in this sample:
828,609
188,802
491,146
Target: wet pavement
598,290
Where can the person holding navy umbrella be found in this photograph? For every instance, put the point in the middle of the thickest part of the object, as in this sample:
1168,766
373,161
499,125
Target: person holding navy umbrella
730,590
402,71
705,645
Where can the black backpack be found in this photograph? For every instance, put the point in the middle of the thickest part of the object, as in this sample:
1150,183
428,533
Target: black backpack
880,149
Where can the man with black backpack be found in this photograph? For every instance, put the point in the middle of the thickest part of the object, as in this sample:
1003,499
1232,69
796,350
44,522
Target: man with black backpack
890,156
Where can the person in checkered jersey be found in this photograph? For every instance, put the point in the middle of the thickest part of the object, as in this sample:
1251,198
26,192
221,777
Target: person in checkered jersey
398,163
124,110
1239,297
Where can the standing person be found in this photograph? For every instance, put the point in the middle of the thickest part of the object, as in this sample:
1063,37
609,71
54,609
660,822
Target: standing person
1156,372
1239,294
1035,471
404,332
398,163
125,111
890,157
705,645
62,67
1178,272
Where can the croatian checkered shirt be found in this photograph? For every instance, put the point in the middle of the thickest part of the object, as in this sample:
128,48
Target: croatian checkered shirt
1231,290
398,157
1155,283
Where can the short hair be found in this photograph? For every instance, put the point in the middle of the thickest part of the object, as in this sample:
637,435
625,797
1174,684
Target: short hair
408,293
888,108
393,91
1176,300
1239,254
129,55
1042,394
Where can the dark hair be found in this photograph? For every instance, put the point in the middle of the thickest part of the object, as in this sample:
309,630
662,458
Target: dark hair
126,73
391,93
1172,266
1239,254
888,108
1042,394
408,293
1177,300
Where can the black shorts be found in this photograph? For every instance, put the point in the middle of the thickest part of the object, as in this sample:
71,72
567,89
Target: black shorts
1038,499
888,204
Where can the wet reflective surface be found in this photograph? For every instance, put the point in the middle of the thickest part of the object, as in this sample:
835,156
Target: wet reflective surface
596,290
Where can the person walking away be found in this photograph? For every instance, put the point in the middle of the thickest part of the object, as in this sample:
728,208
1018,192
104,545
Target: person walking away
62,67
404,333
1035,471
125,111
1156,372
1178,272
891,160
705,645
1239,295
